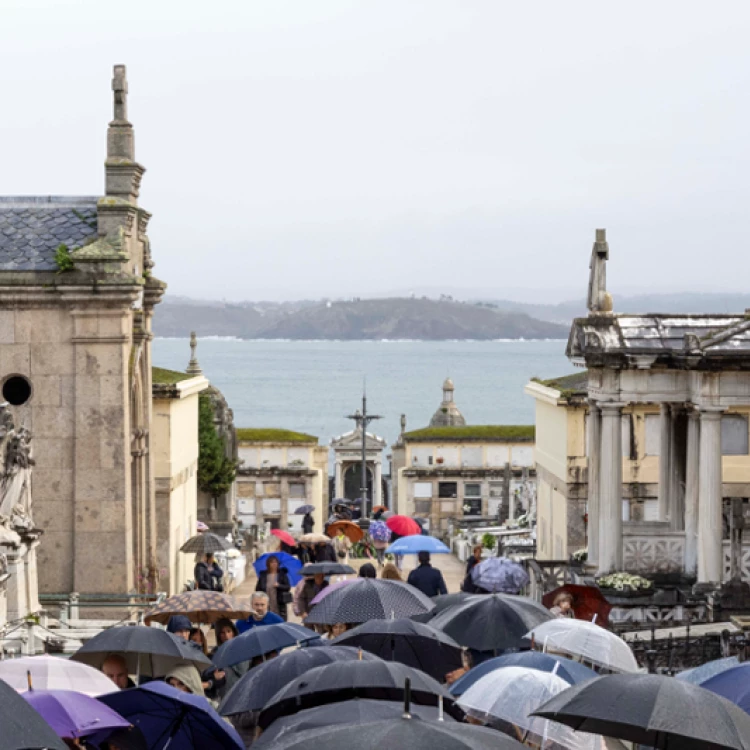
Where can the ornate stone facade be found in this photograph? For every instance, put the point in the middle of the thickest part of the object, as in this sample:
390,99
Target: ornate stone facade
77,297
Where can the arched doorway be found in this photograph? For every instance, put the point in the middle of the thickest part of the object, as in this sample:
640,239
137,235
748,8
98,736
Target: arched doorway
353,482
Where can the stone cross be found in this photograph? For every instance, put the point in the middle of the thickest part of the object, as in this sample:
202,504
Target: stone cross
598,299
120,87
193,367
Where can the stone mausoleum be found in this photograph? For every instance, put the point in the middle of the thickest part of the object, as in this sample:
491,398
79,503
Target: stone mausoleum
77,295
694,372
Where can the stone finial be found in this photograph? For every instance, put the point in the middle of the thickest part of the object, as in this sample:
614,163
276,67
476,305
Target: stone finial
599,300
193,367
403,423
120,87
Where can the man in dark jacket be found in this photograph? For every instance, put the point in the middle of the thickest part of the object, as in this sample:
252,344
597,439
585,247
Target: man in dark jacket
308,522
208,574
427,579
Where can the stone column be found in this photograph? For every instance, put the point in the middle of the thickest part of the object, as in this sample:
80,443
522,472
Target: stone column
377,490
610,489
284,496
691,494
594,453
678,476
338,485
665,452
710,529
16,591
32,578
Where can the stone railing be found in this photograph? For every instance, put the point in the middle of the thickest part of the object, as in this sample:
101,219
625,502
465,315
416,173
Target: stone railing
653,553
744,562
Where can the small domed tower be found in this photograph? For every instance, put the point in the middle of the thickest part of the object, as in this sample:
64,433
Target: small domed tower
448,414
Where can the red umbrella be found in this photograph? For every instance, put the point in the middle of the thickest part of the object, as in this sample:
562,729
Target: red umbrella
285,537
588,601
403,526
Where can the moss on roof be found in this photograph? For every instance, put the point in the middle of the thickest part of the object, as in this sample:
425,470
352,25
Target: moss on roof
273,435
568,385
162,376
478,432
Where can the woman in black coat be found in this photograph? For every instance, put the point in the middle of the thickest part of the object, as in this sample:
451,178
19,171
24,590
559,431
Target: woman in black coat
274,581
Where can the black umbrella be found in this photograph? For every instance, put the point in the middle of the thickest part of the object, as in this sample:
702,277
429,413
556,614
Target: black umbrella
21,727
369,599
344,680
261,683
147,651
204,543
357,711
491,622
407,642
262,640
326,569
442,602
412,733
651,710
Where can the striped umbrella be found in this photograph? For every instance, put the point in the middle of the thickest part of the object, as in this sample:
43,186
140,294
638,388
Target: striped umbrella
199,606
205,543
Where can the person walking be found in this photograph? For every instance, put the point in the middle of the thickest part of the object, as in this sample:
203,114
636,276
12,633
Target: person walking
308,522
563,605
427,579
313,586
390,573
476,558
218,682
274,581
180,626
260,615
208,574
367,571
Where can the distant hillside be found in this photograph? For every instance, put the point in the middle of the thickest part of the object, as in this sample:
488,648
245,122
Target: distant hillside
353,320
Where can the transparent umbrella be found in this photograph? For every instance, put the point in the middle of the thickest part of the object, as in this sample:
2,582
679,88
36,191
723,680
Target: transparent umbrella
510,694
587,641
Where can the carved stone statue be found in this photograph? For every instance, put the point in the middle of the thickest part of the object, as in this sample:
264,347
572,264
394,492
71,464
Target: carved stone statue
15,474
599,300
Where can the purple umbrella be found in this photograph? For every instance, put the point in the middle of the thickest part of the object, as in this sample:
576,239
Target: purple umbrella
331,588
72,714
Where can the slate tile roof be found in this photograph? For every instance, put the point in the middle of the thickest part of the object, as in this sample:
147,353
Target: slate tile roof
31,229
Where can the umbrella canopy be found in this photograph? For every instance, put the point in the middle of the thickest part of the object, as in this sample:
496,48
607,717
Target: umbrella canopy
379,531
403,525
442,602
314,538
303,509
512,694
491,622
379,509
326,569
588,602
285,537
73,714
369,599
199,606
357,711
54,673
407,642
200,526
291,563
587,641
732,684
651,710
698,675
499,575
343,680
170,718
259,641
411,545
350,530
260,684
21,727
148,651
413,733
570,671
205,542
331,588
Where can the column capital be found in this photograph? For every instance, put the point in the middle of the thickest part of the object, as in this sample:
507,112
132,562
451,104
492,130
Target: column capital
710,413
611,408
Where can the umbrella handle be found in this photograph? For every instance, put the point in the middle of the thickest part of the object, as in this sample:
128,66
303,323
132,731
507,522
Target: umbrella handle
407,698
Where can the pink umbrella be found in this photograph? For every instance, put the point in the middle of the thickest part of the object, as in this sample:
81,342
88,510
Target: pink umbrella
332,587
285,537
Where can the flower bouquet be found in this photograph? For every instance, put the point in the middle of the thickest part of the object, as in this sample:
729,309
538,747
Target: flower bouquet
625,585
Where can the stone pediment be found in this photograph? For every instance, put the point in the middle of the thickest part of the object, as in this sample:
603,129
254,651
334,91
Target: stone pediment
350,441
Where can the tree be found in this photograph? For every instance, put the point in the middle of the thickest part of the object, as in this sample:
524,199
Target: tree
216,471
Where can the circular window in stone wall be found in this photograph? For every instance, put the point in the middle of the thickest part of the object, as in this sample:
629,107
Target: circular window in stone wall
16,390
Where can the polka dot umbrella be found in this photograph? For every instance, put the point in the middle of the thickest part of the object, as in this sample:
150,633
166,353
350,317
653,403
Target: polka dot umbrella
199,606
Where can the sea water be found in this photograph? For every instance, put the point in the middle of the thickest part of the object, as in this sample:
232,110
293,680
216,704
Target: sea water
310,386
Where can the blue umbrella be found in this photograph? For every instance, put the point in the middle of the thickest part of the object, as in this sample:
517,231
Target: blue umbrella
170,718
259,641
570,671
292,565
698,675
732,684
411,545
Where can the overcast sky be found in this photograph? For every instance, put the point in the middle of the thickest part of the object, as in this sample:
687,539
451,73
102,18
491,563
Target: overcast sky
320,147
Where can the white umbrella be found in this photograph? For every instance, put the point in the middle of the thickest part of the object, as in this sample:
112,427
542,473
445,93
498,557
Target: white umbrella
54,673
511,694
586,640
